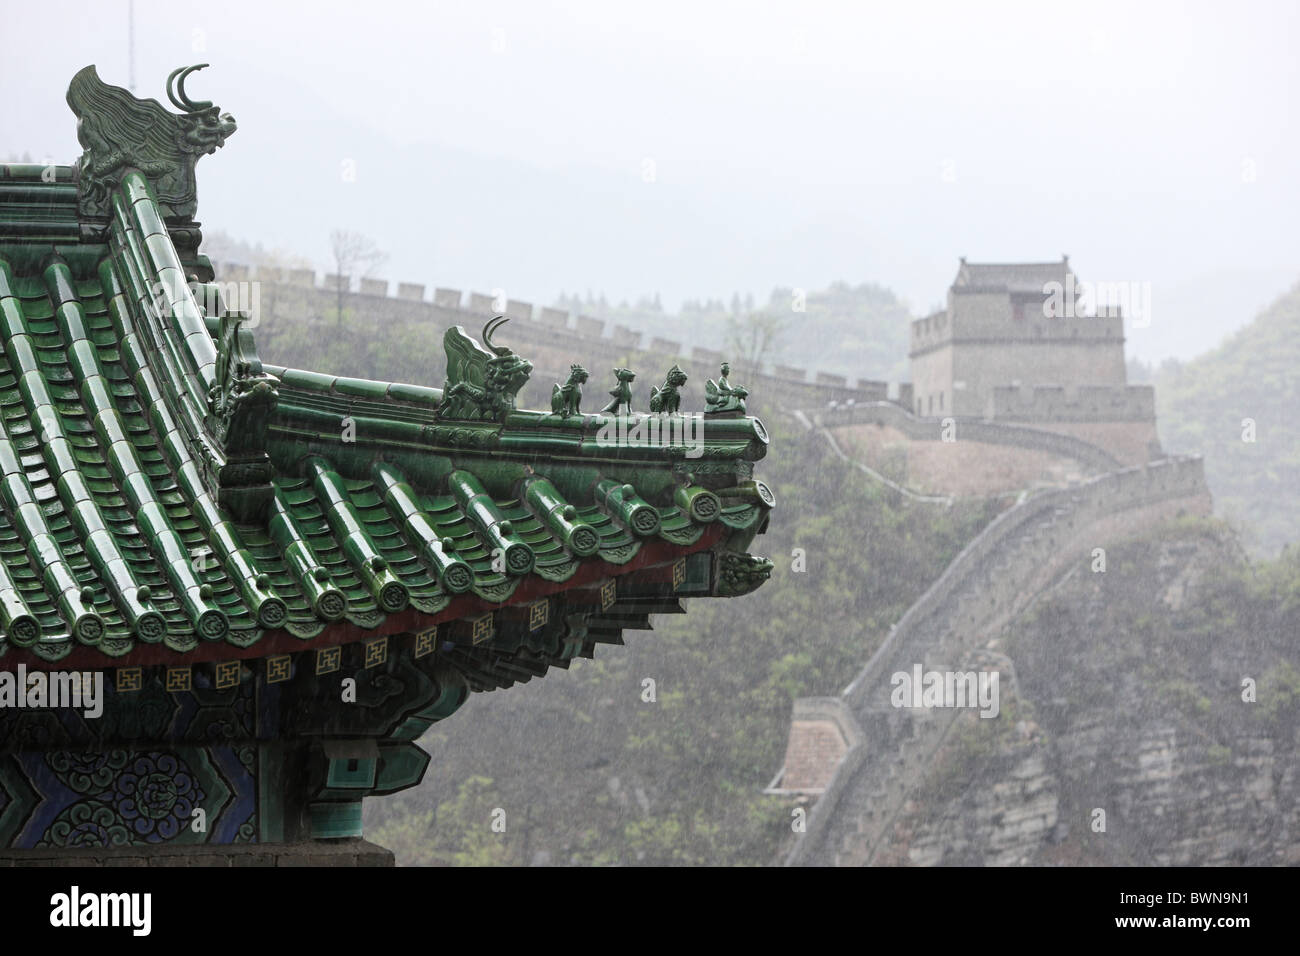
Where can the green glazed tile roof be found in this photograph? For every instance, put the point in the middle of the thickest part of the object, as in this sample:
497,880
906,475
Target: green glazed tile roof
114,538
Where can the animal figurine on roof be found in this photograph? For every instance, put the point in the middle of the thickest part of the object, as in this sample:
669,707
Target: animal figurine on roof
723,397
566,398
668,399
622,392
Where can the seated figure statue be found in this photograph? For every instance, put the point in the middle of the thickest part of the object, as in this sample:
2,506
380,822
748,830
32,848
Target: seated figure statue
722,396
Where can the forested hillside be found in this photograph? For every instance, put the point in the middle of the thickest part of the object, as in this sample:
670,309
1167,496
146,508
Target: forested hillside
1253,467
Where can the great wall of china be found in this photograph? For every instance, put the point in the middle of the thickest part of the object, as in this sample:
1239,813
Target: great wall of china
858,755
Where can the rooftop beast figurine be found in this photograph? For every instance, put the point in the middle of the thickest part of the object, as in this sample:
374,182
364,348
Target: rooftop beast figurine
622,392
566,398
668,399
722,397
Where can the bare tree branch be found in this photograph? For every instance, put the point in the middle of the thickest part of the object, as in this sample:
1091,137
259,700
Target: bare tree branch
354,254
753,337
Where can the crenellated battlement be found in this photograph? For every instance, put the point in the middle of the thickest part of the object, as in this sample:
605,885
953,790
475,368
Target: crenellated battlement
989,318
930,331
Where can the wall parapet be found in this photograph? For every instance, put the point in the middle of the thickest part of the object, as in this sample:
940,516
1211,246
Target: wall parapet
626,337
1083,403
1120,490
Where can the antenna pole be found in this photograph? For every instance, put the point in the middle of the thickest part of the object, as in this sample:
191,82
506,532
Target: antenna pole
130,44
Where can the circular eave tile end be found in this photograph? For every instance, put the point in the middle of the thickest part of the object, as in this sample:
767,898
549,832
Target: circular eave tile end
24,631
212,625
331,605
151,627
272,613
458,578
89,629
394,597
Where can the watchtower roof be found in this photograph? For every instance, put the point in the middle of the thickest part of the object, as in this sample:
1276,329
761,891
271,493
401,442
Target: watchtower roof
1015,277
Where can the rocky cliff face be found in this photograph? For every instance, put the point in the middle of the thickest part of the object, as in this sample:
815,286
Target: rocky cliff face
1128,699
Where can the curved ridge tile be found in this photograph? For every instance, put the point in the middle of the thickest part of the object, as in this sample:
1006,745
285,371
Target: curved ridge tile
327,601
483,513
454,575
387,589
218,532
560,516
268,609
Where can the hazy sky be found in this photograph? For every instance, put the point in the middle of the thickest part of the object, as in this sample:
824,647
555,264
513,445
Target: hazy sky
697,149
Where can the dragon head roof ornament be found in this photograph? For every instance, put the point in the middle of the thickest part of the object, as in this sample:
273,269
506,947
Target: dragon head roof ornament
119,131
481,384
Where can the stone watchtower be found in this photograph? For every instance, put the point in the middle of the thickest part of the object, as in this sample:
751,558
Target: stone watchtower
998,329
1017,344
